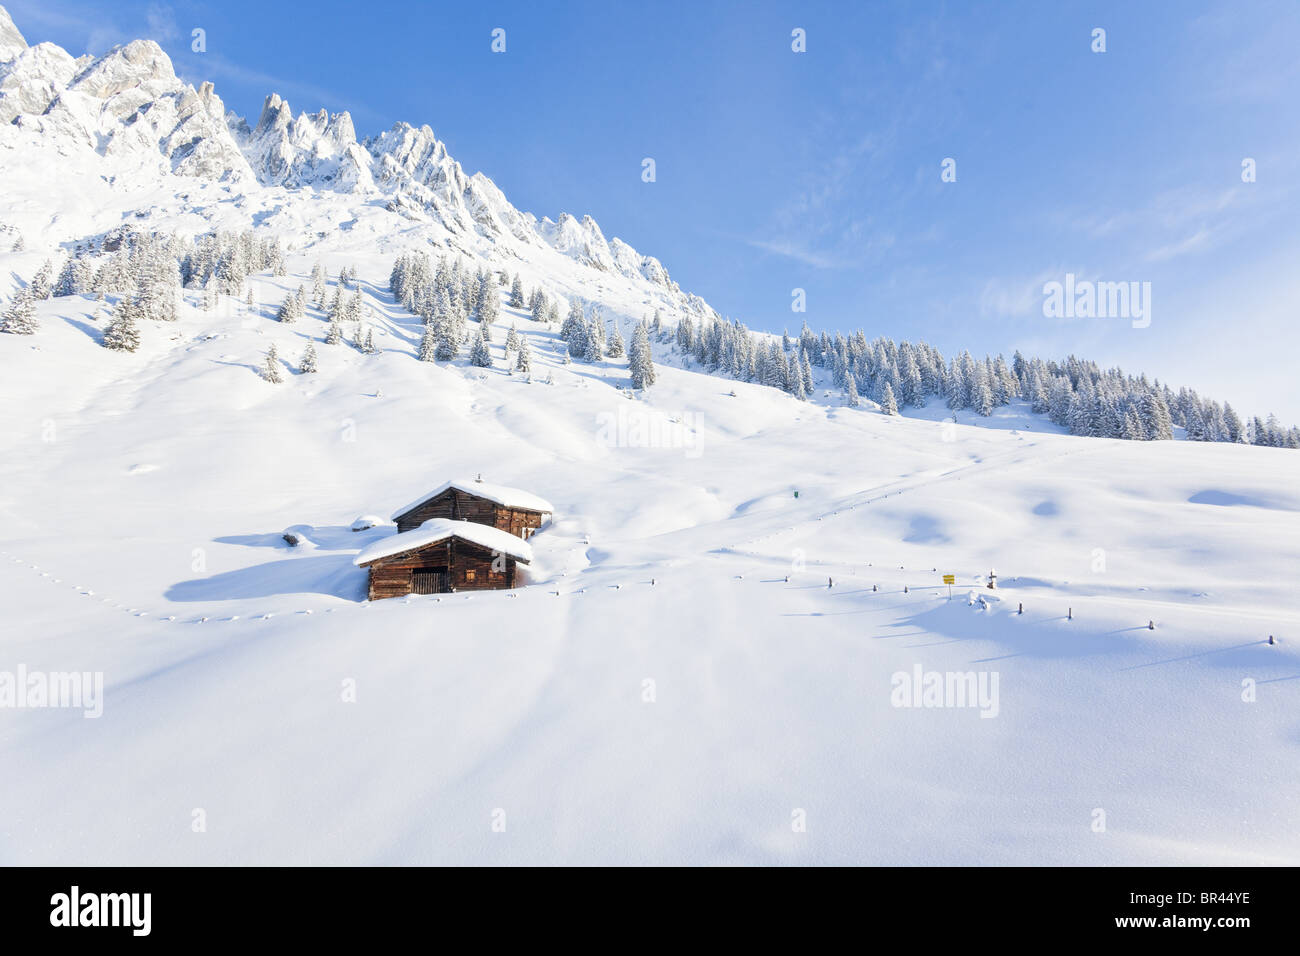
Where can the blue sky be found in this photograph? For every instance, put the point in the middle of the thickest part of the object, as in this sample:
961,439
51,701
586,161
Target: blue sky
820,170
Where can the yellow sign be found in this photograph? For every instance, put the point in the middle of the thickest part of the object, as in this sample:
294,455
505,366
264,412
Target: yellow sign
950,579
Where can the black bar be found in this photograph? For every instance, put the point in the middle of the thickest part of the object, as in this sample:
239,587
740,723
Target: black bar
939,906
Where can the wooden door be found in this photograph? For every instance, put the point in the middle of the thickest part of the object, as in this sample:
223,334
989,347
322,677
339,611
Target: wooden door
430,581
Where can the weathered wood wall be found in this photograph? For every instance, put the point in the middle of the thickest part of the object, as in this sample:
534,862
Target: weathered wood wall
456,505
469,567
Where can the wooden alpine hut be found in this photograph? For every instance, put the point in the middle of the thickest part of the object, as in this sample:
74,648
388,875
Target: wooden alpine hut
462,536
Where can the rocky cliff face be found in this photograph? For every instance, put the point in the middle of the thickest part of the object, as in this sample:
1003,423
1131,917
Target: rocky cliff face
127,110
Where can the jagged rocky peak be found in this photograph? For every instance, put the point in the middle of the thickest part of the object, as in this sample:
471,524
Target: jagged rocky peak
314,149
139,63
31,81
11,41
407,151
276,116
129,103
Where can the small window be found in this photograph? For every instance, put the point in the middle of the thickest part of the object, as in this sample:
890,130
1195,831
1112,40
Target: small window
469,575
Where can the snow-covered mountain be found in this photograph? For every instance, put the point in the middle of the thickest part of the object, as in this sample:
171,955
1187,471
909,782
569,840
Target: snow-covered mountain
125,118
720,649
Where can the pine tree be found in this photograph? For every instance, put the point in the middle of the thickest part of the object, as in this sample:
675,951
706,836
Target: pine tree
982,395
615,347
122,334
574,320
1157,423
1195,424
540,306
288,311
640,360
517,293
577,339
489,309
369,346
796,385
479,354
512,339
41,282
428,345
76,277
595,341
1133,430
888,404
271,371
20,319
318,284
308,363
334,335
448,341
524,360
851,393
1232,422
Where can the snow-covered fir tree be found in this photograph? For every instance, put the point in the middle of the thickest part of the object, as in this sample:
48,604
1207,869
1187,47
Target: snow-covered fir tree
308,363
524,360
448,340
334,334
489,307
428,345
288,311
851,398
640,361
517,293
479,354
614,347
318,284
888,404
540,306
271,368
20,317
122,334
42,283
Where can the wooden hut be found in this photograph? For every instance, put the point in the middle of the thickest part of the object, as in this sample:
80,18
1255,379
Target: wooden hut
462,536
442,555
509,509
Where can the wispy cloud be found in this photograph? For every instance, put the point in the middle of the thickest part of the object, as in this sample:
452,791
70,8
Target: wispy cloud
1196,241
1017,296
793,250
160,20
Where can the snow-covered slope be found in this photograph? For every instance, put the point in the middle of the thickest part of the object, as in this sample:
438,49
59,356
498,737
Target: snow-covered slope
675,681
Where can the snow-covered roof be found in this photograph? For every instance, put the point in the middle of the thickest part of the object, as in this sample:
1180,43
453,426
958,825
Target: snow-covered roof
439,529
506,497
